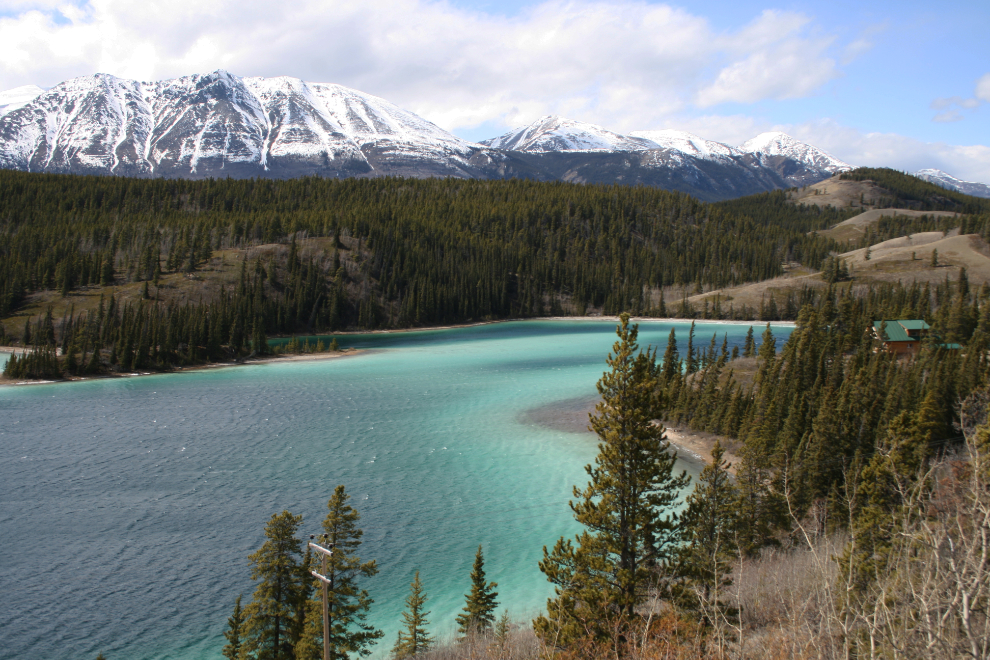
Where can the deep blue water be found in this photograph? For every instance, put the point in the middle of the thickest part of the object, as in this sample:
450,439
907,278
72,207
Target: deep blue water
128,506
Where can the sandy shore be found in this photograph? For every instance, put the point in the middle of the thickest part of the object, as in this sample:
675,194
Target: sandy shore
699,445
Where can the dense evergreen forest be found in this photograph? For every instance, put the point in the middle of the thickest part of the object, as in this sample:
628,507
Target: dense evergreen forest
819,406
379,253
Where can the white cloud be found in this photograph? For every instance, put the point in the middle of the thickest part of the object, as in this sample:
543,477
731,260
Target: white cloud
983,88
778,62
948,116
967,162
980,95
623,63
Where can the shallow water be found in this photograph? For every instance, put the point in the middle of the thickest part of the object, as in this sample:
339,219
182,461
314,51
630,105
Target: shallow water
128,506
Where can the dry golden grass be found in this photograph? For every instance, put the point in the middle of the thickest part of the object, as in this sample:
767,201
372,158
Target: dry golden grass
840,193
853,229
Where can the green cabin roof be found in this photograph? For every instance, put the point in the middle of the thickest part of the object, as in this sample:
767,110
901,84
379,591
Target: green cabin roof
897,329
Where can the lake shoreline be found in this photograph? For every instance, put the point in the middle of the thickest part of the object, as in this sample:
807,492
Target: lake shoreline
305,357
302,357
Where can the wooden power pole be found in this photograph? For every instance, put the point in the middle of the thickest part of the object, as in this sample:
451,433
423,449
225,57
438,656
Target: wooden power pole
326,585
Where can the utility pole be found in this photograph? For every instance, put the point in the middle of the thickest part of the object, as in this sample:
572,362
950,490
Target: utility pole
326,584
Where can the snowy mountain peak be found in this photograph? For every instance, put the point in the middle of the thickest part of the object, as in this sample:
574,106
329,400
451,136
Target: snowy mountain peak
775,143
554,134
18,97
940,178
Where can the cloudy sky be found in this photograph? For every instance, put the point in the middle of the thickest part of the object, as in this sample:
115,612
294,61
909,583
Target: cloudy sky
903,84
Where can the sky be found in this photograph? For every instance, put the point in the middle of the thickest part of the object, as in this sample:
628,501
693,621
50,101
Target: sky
881,83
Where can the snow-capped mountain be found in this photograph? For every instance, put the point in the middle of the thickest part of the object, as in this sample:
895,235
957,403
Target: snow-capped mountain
221,125
945,180
556,134
772,156
781,144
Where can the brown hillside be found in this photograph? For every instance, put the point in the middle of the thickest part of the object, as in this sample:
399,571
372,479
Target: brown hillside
855,228
841,194
889,261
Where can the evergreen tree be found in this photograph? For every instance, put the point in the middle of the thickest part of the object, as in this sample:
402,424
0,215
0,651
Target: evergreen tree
235,625
479,610
270,615
627,508
710,538
749,348
348,604
413,638
502,630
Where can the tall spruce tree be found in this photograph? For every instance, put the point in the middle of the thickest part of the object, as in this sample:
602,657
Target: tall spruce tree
413,637
270,616
347,603
479,610
235,628
626,508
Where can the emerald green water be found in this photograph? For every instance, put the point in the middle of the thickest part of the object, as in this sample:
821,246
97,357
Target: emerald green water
128,506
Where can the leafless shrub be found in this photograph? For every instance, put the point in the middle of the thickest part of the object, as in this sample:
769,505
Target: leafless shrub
520,643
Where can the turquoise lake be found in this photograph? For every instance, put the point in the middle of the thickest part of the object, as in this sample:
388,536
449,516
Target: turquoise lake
128,506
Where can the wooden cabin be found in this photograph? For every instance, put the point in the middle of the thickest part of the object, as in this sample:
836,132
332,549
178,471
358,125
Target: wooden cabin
901,336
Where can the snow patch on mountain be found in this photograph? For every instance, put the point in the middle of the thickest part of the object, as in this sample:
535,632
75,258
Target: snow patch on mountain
780,144
555,134
688,143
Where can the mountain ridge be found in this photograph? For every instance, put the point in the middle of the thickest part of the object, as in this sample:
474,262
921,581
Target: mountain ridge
219,125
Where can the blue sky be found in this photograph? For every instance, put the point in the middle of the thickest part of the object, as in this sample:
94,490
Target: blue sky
900,84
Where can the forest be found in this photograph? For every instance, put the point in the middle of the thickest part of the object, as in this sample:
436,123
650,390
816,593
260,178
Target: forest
154,274
353,254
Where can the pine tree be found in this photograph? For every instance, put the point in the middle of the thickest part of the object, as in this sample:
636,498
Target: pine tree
710,528
348,605
627,508
235,626
414,638
671,367
479,611
270,615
